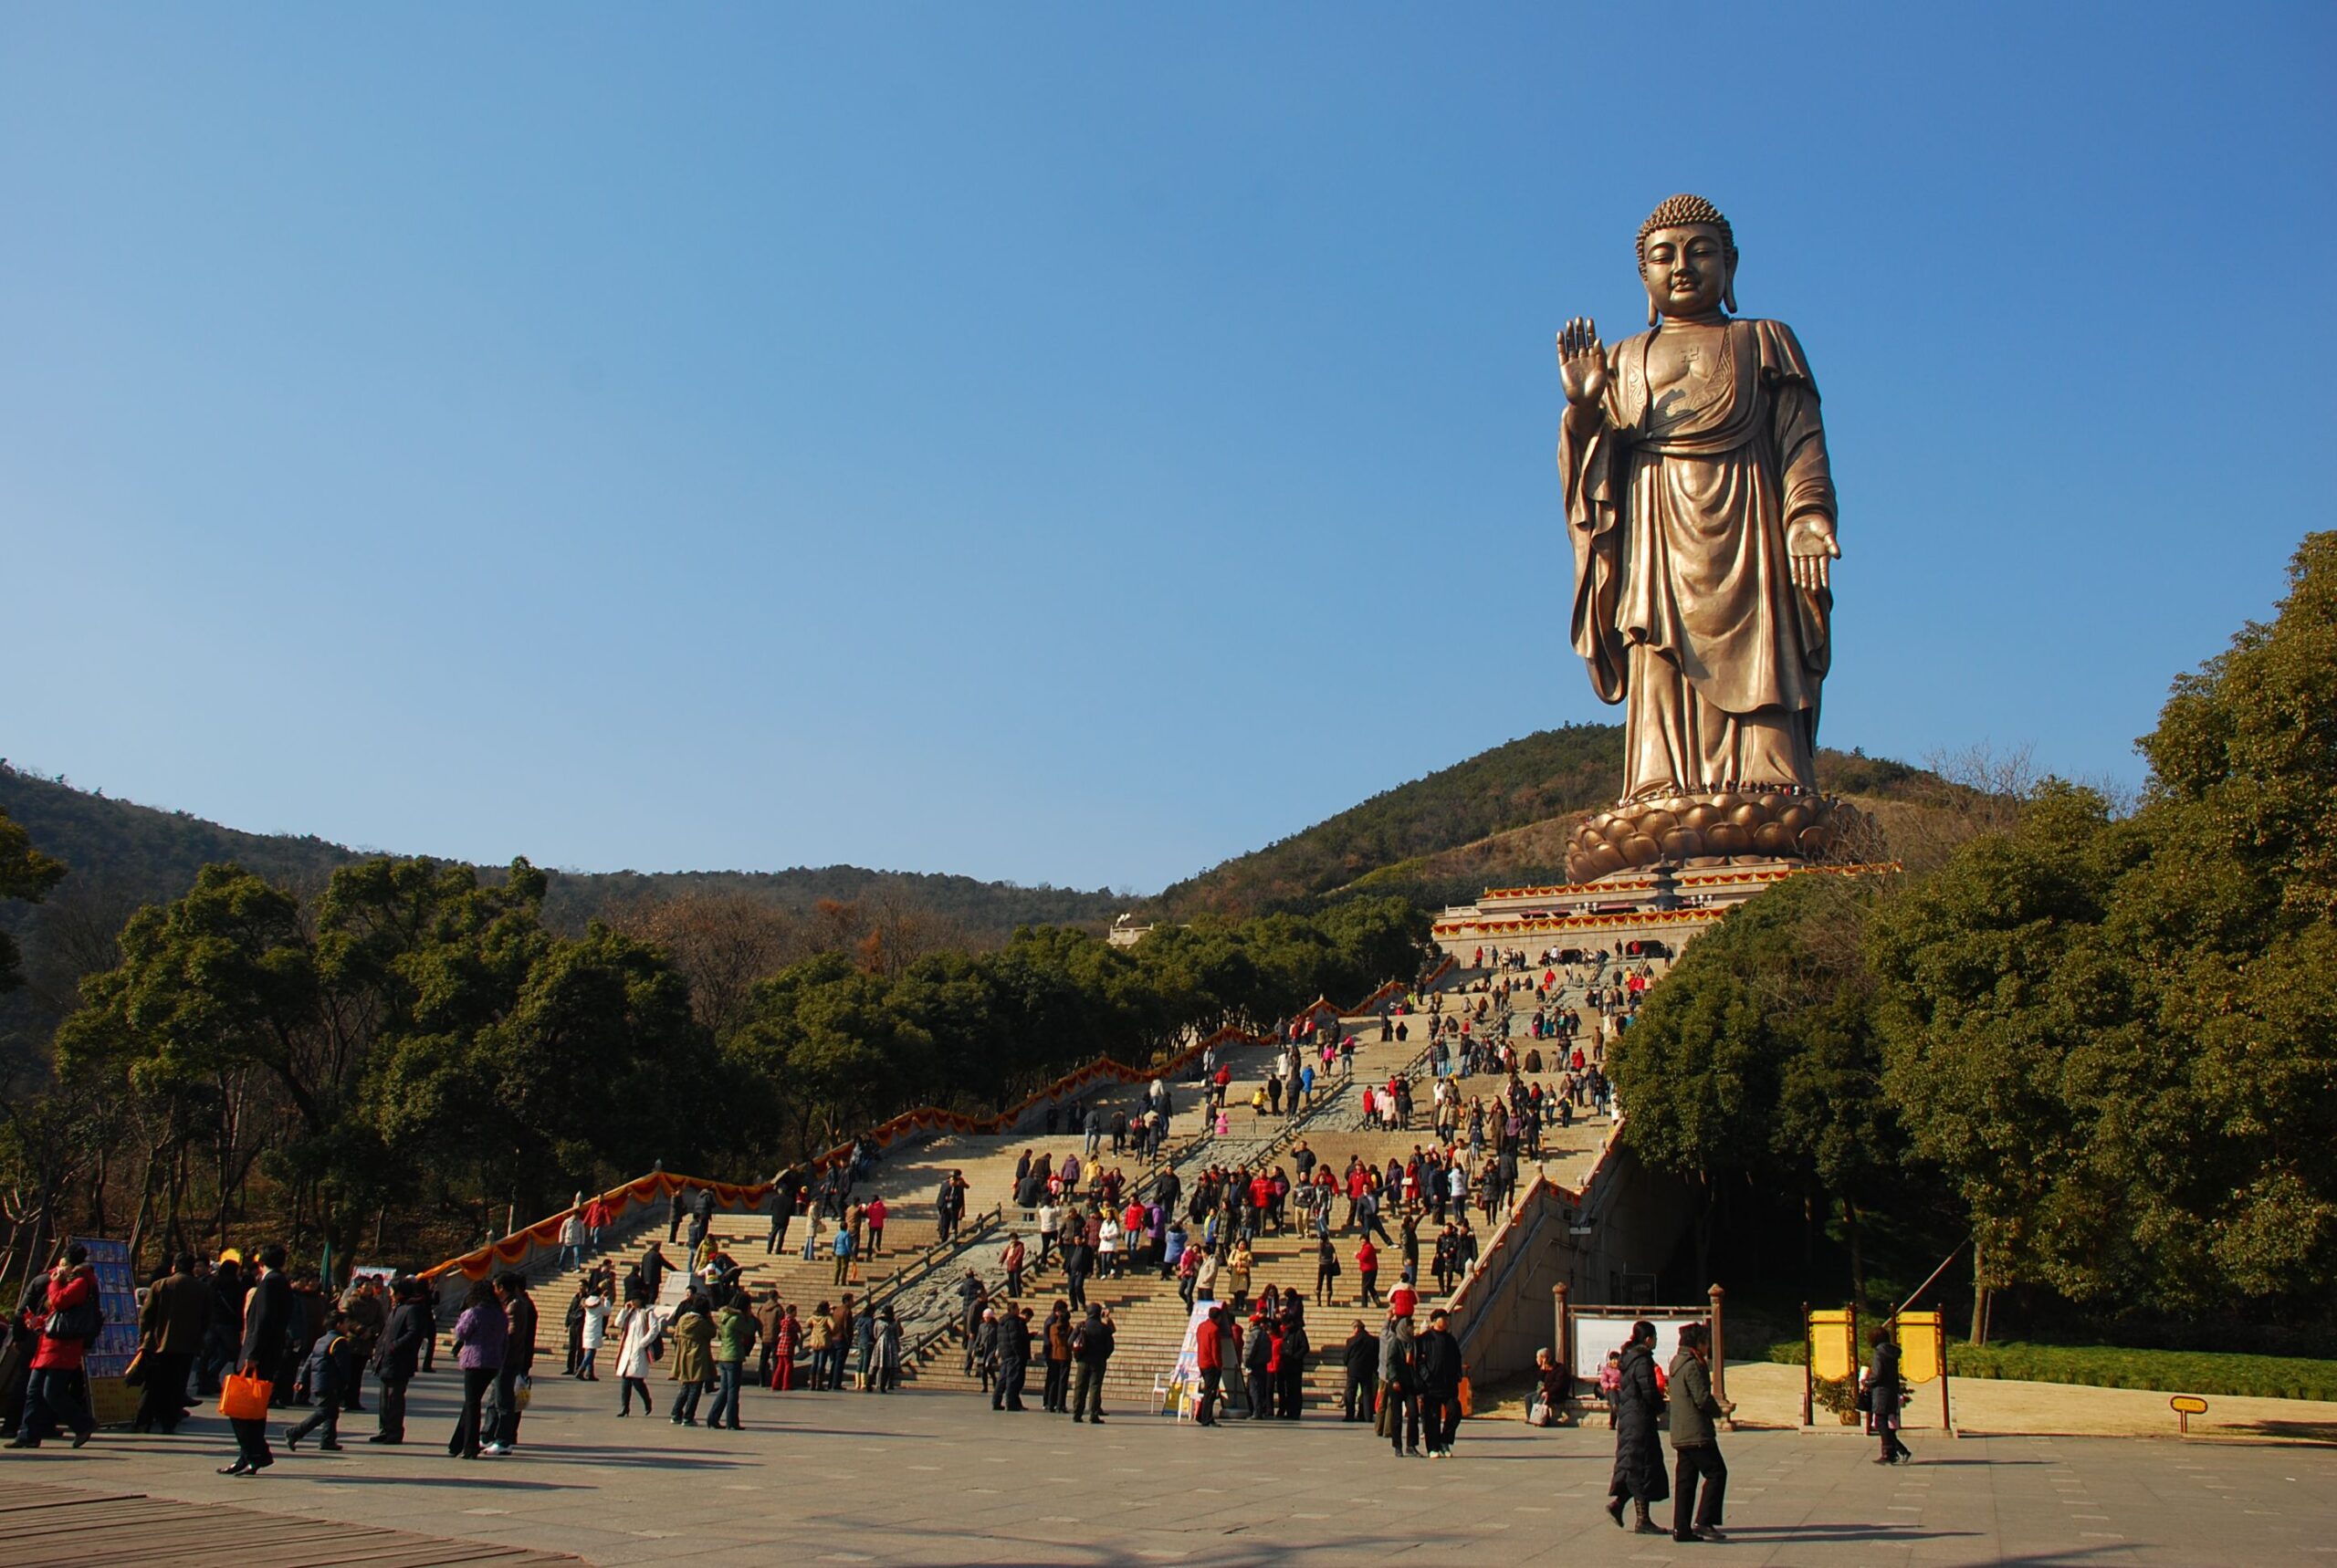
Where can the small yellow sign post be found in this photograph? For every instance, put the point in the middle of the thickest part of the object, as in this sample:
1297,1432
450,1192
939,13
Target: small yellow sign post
2185,1407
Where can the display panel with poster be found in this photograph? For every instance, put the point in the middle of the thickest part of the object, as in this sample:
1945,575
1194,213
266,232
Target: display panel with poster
109,1356
380,1274
1182,1391
1596,1332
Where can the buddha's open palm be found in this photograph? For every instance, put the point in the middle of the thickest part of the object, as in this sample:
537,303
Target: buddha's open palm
1582,363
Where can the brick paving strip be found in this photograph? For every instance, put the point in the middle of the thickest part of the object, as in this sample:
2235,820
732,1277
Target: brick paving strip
41,1525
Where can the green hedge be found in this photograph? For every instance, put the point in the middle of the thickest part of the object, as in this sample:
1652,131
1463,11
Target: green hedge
2108,1366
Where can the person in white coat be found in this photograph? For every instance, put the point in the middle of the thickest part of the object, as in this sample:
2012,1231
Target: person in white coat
595,1329
637,1346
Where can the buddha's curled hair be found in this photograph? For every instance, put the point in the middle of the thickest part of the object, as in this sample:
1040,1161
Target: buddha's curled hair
1684,208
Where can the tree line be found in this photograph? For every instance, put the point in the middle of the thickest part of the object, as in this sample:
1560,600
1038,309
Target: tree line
2094,1044
402,1060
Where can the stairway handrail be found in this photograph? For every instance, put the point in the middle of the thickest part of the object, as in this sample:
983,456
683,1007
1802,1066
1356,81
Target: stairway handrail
516,1249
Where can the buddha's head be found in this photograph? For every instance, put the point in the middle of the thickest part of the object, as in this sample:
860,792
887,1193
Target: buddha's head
1687,259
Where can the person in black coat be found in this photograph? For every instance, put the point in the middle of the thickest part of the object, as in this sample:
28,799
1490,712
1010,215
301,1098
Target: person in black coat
1438,1356
267,1328
1361,1356
1257,1357
16,1361
1290,1375
1091,1350
1639,1445
397,1353
1014,1341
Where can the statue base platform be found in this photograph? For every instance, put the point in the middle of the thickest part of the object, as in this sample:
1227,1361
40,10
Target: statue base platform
1716,828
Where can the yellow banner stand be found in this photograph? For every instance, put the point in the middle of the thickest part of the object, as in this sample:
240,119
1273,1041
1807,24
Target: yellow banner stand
1830,1351
1923,1356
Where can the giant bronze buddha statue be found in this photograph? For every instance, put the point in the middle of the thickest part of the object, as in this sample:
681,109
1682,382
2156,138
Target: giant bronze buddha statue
1701,510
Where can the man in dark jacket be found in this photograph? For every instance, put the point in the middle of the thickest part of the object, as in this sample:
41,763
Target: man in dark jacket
1882,1388
1091,1347
652,1266
1695,1440
1360,1355
701,1217
1638,1448
400,1349
1014,1358
267,1331
1290,1368
1438,1356
518,1359
178,1314
16,1362
368,1312
1257,1359
229,1286
785,1194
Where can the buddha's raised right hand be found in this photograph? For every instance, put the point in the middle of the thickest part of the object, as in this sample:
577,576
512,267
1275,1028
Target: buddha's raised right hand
1582,363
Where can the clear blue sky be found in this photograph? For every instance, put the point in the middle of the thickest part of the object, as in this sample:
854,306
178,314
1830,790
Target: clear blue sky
1080,443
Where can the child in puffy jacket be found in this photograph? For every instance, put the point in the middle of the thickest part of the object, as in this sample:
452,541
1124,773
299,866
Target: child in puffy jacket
331,1371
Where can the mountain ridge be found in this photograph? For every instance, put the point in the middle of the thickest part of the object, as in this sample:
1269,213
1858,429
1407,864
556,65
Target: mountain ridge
140,853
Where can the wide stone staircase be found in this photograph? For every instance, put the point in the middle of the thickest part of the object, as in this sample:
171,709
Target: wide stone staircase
1149,1315
920,1277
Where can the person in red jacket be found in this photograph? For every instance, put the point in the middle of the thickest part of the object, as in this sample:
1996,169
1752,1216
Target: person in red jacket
1208,1355
1367,1268
56,1391
1404,1300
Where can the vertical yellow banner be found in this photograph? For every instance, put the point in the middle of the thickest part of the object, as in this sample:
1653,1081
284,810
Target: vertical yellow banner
1923,1348
1832,1356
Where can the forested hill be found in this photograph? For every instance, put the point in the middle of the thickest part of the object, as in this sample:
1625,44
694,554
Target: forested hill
1550,773
1500,819
123,854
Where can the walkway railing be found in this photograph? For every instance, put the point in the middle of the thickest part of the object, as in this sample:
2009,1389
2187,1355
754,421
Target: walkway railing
521,1248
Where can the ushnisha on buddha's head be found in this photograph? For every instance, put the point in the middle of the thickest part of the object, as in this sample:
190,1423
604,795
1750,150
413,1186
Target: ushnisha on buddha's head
1687,257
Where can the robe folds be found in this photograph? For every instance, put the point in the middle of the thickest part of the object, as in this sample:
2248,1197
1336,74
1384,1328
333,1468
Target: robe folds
1677,501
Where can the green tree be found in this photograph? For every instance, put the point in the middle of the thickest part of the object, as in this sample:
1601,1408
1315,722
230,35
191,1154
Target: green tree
26,873
2116,1035
825,1052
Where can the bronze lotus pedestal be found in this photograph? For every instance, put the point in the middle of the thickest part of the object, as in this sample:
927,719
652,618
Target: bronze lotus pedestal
1719,827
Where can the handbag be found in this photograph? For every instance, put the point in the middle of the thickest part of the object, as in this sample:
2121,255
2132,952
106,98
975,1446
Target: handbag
1865,1400
81,1320
134,1375
523,1392
243,1397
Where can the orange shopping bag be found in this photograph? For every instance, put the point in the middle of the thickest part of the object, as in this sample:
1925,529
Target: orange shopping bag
243,1398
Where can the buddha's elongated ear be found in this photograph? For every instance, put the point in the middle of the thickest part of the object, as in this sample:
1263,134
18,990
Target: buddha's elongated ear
1654,316
1728,290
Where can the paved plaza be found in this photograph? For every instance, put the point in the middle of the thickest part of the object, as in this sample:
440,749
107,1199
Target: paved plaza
932,1478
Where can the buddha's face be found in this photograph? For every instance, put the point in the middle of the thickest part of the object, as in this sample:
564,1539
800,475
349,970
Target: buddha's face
1686,269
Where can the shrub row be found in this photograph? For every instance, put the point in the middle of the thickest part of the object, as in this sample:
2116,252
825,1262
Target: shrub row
2229,1372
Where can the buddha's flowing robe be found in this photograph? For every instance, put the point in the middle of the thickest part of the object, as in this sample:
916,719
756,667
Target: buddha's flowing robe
1677,503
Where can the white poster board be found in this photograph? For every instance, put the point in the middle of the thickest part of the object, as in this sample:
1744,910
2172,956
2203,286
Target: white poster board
1598,1335
1184,1386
